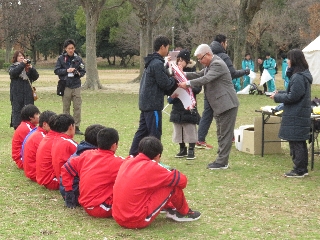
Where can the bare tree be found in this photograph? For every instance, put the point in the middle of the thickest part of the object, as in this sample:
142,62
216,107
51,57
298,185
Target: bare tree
92,11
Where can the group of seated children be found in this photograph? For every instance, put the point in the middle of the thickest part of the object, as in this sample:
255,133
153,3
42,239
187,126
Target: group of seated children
133,190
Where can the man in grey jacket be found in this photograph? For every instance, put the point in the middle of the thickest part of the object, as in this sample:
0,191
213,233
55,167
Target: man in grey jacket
218,47
221,97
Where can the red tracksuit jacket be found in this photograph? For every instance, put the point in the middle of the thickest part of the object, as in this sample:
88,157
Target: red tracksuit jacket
97,170
19,134
137,180
30,151
44,168
62,148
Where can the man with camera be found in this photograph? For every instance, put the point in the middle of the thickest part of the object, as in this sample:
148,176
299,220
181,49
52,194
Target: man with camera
70,69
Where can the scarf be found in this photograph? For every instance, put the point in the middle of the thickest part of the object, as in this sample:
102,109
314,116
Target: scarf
23,74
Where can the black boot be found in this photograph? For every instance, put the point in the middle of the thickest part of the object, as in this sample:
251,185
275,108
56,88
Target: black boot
191,155
78,131
183,151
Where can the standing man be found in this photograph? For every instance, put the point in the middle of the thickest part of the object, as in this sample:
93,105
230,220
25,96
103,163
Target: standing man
221,97
270,64
284,70
247,63
70,69
154,85
218,47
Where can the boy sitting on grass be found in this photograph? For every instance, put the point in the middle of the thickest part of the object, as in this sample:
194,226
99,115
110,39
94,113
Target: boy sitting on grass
30,119
143,188
97,171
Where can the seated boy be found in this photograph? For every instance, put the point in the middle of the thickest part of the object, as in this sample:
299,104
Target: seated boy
31,143
97,171
30,118
143,188
89,143
63,145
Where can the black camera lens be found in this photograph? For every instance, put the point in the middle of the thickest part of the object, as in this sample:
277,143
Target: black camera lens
28,61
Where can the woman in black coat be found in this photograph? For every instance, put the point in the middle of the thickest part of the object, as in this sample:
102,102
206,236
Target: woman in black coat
21,72
295,125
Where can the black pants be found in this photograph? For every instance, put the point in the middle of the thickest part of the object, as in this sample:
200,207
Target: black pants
150,124
299,153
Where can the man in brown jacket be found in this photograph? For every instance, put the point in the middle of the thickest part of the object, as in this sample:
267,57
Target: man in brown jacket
222,97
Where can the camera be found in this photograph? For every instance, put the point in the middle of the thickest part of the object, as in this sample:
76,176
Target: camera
28,61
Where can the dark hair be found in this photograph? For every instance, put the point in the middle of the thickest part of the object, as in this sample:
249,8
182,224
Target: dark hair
68,42
45,116
220,38
267,54
60,123
15,56
159,41
283,55
28,111
91,133
297,60
247,54
107,137
150,146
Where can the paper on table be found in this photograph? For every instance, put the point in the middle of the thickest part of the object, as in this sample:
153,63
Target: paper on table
265,77
183,96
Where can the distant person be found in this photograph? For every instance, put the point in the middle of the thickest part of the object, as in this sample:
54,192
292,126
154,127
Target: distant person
143,188
70,69
284,70
218,47
31,144
260,63
270,65
29,120
154,85
223,100
185,121
295,124
247,63
97,171
22,75
236,84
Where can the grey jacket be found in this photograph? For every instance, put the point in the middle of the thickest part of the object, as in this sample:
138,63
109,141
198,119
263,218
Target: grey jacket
295,124
218,50
218,87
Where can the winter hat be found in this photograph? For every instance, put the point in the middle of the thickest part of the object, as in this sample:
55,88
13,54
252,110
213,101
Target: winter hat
184,54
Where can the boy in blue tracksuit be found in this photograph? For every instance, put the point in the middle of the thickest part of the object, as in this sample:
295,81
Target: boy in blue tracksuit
284,70
247,63
270,65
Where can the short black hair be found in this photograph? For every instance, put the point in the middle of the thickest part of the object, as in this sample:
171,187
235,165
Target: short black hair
107,137
150,146
45,116
28,111
283,55
267,54
91,133
68,42
60,123
220,38
159,41
247,54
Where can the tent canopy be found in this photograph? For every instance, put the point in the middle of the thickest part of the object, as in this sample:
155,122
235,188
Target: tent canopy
312,54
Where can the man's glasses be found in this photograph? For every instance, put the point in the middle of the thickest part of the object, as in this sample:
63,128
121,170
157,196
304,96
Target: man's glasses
200,59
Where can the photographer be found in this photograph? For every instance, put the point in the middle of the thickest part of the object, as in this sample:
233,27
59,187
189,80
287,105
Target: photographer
70,69
21,72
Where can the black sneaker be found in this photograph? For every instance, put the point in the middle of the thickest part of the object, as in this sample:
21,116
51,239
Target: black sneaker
190,216
217,166
78,131
182,153
170,213
293,174
190,155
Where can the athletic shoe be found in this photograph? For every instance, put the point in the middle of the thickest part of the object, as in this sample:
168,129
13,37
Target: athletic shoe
203,145
217,166
191,155
190,216
293,174
170,213
183,153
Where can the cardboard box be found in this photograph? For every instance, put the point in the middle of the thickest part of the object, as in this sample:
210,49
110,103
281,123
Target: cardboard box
252,137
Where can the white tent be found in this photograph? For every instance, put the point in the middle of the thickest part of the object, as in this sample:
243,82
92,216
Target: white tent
312,54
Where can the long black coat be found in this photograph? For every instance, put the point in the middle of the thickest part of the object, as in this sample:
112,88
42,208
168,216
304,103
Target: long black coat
20,91
295,125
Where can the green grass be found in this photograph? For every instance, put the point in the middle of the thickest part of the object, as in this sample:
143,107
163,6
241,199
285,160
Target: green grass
251,200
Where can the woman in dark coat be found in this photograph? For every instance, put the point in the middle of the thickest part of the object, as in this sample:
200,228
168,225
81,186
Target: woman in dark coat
295,125
184,121
20,90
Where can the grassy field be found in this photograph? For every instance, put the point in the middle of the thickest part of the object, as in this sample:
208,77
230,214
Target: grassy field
251,200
